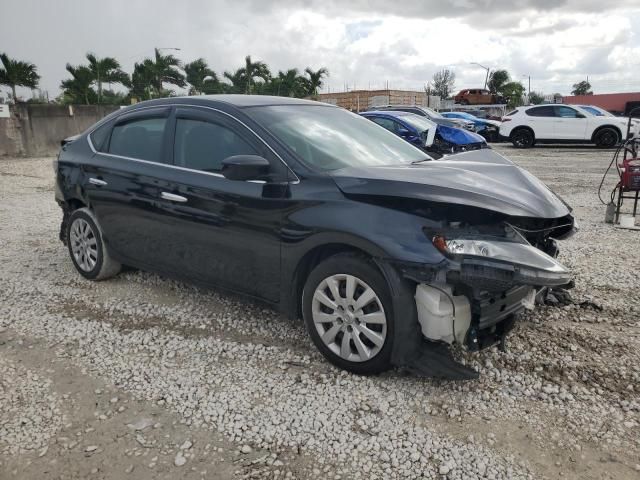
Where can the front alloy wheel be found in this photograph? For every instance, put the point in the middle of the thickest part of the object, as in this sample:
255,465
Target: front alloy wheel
349,317
606,138
348,313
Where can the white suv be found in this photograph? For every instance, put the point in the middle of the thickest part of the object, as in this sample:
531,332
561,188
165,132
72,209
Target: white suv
562,124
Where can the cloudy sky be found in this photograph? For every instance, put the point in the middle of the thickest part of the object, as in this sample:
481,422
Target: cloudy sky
362,43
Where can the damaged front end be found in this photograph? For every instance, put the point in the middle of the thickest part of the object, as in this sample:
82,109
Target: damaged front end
487,248
491,273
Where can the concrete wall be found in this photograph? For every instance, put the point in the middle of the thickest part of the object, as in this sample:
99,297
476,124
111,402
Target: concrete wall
36,130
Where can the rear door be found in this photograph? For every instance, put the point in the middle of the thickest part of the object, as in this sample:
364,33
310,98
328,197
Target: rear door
216,230
542,120
569,123
121,181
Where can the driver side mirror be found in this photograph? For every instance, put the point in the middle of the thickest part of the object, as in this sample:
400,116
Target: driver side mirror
244,167
403,132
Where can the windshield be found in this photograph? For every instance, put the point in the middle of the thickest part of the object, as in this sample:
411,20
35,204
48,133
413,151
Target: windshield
596,111
416,121
329,138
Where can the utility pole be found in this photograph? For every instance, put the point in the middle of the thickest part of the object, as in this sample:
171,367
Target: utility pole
486,78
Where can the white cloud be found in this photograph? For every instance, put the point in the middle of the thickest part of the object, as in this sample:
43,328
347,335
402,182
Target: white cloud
362,42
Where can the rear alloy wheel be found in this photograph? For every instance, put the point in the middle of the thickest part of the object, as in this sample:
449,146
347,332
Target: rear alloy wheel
522,138
347,311
606,138
88,252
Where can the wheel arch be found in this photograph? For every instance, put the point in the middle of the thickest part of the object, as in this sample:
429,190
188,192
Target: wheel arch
602,127
312,258
69,205
522,127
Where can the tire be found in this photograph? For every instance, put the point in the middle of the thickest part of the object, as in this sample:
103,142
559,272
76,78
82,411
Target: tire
606,137
87,249
464,101
522,138
368,328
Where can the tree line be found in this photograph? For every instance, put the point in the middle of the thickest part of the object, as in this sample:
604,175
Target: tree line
153,77
91,83
499,82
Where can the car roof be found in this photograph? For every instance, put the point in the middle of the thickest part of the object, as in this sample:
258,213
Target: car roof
236,100
391,107
390,113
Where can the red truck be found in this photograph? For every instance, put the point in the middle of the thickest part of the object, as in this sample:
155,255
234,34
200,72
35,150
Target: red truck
477,96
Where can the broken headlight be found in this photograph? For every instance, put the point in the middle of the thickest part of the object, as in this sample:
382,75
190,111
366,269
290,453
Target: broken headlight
528,264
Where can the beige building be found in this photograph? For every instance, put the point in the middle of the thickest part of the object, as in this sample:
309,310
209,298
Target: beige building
361,100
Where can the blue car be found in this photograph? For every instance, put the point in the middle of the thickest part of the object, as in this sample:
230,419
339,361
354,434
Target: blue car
487,128
425,134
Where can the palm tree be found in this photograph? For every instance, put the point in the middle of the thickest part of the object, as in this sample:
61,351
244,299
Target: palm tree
106,70
158,71
17,74
290,84
201,78
78,88
142,80
315,79
254,70
237,80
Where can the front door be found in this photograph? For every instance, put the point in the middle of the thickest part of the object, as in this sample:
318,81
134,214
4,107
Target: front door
216,230
569,124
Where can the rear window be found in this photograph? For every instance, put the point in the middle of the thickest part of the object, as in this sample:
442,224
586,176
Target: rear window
546,111
140,139
100,137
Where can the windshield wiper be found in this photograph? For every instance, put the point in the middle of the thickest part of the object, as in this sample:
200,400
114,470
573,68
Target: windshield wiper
426,159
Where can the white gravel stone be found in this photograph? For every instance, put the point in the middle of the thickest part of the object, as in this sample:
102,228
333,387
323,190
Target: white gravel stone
179,460
136,332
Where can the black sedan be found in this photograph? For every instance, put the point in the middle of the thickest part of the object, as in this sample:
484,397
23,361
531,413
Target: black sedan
387,256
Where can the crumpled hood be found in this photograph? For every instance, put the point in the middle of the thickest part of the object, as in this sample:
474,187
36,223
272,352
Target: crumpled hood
480,178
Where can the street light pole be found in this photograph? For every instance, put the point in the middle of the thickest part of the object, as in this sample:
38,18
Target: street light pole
486,78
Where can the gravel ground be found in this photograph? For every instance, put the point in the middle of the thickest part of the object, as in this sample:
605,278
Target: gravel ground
144,377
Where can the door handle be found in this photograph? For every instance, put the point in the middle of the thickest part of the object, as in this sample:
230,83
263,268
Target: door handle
97,182
173,197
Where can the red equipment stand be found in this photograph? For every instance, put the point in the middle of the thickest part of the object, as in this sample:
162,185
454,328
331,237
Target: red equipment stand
621,197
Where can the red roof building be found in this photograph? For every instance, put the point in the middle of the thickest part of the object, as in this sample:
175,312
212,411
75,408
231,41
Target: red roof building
613,102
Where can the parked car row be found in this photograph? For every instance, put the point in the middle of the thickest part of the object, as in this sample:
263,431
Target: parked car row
420,131
489,129
429,113
388,256
556,123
